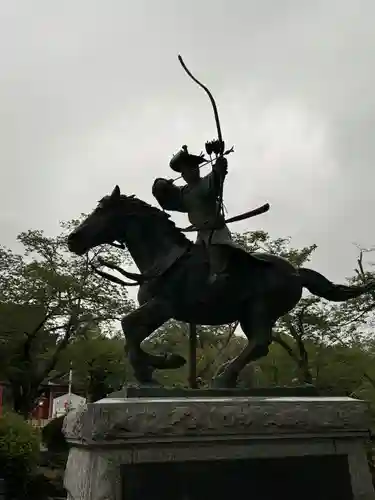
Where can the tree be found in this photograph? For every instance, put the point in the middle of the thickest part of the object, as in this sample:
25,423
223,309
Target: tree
98,363
48,297
288,326
325,325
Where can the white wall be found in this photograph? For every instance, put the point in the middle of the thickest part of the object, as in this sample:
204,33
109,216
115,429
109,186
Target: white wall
71,401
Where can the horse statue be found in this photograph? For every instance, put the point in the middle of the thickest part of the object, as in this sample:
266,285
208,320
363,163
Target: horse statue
173,284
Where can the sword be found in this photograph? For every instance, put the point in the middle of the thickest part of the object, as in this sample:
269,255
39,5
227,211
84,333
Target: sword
246,215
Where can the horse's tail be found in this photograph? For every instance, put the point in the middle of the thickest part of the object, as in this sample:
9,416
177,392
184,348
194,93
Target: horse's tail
320,286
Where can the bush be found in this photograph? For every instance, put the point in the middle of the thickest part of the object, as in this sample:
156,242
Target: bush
19,453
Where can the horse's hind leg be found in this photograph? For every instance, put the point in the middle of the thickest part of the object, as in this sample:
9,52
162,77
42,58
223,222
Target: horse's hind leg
257,326
137,326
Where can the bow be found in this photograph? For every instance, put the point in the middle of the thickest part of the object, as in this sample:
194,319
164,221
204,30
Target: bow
216,146
217,121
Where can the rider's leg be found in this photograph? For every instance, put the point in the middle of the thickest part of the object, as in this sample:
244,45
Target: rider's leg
217,263
217,252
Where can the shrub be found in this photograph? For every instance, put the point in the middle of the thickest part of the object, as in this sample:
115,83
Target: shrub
19,453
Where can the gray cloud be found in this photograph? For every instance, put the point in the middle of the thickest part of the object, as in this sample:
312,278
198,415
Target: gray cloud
91,94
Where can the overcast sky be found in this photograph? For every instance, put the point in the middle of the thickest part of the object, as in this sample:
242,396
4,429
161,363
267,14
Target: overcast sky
92,94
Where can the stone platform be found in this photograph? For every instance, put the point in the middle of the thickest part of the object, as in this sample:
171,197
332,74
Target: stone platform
121,447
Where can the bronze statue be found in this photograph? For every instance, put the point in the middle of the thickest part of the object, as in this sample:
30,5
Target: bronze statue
260,289
179,279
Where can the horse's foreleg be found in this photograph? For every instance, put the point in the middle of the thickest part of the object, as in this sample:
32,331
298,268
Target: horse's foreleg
137,326
257,327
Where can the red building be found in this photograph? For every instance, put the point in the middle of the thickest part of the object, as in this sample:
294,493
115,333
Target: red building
51,390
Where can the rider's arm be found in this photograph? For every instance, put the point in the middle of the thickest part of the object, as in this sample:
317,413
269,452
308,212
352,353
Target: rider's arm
168,195
217,176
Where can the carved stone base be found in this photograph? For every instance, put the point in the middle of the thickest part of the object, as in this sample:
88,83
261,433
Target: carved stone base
179,392
111,437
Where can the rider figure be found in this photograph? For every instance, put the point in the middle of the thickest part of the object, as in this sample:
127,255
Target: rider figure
199,198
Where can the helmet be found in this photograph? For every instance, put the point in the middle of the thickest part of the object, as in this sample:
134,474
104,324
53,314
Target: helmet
184,158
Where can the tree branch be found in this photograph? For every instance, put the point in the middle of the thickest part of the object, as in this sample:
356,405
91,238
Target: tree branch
279,340
289,323
50,365
232,329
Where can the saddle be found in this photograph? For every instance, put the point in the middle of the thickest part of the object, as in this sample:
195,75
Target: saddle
168,260
239,252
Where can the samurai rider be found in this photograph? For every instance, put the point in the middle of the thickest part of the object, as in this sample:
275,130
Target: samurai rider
199,198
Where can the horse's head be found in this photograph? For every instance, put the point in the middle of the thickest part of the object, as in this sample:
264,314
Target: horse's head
101,226
144,228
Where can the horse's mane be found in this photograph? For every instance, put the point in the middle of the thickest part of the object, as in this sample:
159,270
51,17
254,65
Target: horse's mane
144,208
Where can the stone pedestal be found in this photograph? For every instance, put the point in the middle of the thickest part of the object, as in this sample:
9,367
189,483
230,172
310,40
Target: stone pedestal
144,448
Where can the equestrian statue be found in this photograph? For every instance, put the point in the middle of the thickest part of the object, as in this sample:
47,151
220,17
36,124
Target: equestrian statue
210,282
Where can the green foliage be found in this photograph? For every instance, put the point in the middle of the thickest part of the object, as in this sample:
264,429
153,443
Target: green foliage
260,241
98,363
48,298
19,452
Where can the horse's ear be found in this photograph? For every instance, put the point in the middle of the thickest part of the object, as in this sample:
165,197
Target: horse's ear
115,193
